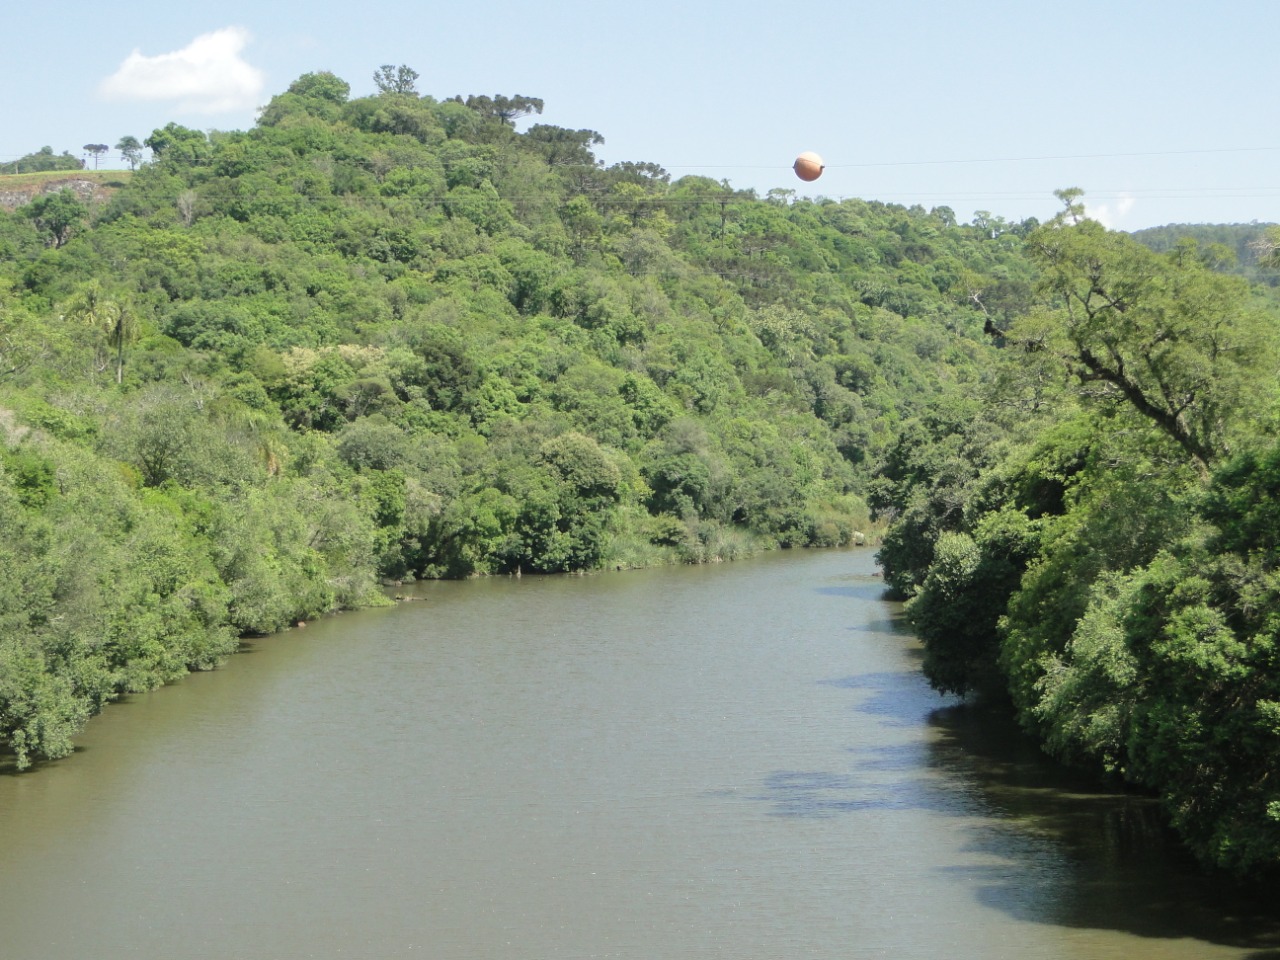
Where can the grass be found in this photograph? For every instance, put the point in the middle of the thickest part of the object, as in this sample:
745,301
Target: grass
33,181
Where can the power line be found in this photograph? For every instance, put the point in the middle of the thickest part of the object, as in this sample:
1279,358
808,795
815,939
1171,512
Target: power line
1073,156
972,160
1094,194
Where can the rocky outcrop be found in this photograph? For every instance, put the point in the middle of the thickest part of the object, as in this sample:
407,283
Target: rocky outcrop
12,197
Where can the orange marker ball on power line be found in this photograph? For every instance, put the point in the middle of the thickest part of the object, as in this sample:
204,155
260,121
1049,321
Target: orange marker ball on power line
808,166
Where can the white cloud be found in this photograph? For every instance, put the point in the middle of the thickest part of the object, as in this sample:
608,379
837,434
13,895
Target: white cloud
208,75
1110,215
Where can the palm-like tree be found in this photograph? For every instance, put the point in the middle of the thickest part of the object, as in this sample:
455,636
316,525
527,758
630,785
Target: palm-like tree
111,317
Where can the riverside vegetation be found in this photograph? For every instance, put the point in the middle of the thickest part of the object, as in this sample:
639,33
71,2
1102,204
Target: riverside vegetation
392,337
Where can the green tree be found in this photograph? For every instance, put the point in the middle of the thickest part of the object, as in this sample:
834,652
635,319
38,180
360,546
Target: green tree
130,148
323,86
24,339
180,144
43,159
1182,345
963,597
96,150
506,110
1268,248
57,215
561,147
110,316
390,79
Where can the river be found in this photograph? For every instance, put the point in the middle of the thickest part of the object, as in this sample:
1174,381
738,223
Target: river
738,761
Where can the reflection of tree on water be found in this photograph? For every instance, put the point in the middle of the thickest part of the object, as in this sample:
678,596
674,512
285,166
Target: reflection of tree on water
1078,856
1048,845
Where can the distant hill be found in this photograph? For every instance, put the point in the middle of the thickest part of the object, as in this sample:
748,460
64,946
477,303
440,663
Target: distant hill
1240,238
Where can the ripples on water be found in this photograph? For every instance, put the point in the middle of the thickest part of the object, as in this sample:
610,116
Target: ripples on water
742,762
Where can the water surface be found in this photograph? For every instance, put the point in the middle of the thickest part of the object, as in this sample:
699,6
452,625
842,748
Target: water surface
738,761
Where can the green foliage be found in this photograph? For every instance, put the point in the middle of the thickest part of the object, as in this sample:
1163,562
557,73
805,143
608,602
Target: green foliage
963,596
130,148
56,216
390,79
1171,681
42,160
1182,345
1102,559
1243,247
389,337
179,145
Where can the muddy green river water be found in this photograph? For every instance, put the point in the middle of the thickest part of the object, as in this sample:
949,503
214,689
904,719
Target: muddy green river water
739,761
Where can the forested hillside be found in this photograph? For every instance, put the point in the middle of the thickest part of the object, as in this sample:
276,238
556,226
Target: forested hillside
395,337
391,337
1247,245
1109,562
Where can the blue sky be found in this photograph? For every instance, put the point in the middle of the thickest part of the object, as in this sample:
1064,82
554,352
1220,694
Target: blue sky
1162,112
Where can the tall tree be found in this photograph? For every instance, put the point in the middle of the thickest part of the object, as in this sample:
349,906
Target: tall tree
325,86
179,143
392,79
112,317
505,109
1181,344
96,150
562,147
1268,248
130,148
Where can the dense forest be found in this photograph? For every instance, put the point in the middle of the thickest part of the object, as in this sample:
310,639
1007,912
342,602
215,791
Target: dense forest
396,337
1250,245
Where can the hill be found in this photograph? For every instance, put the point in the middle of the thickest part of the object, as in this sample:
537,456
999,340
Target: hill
395,337
392,337
1245,241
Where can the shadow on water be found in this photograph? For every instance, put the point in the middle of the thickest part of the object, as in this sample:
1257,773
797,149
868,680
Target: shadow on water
1079,855
9,762
1052,845
870,588
809,794
893,625
898,698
